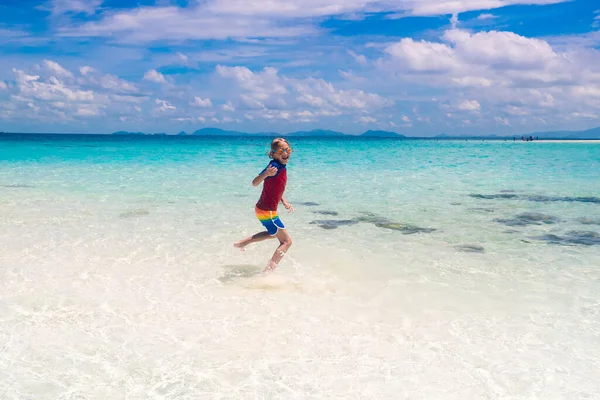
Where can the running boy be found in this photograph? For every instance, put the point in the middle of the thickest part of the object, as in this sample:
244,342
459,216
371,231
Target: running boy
274,177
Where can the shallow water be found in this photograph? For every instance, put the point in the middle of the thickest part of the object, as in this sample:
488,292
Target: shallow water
119,279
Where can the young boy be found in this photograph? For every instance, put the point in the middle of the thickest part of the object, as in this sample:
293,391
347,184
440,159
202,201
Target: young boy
274,177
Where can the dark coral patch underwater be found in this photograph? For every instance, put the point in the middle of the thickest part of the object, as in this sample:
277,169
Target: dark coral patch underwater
528,218
585,238
380,222
537,198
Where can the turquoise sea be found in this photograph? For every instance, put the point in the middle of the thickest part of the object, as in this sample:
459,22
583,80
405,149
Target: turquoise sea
420,269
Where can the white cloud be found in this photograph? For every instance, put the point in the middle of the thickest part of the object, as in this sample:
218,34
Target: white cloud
115,84
154,76
587,91
469,105
222,19
501,120
584,115
267,90
60,7
472,81
514,110
228,107
105,82
406,119
86,70
3,85
445,7
202,103
50,89
267,81
311,100
88,111
359,58
422,56
164,105
367,119
485,16
500,49
183,57
139,25
57,70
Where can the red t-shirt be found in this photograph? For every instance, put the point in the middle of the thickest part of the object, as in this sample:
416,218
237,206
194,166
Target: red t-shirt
273,188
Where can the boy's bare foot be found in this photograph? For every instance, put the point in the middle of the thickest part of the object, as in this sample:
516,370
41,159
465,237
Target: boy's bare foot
270,267
240,245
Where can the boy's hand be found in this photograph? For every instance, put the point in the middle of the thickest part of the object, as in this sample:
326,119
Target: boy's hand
288,207
271,171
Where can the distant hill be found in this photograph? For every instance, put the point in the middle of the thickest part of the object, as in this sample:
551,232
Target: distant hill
316,132
182,133
139,133
382,134
217,132
593,133
128,133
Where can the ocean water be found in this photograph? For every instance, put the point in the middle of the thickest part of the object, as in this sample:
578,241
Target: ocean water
418,270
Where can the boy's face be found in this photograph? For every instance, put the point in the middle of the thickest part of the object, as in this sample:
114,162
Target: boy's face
282,153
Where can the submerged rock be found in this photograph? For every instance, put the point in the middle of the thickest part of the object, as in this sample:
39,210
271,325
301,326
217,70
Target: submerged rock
588,221
470,248
309,203
528,218
18,186
488,210
324,212
386,223
372,218
585,238
494,196
134,213
333,223
569,199
404,228
540,198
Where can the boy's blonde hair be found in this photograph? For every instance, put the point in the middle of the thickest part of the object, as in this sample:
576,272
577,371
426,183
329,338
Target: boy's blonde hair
275,144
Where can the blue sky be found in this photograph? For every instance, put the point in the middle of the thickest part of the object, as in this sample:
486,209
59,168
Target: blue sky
418,67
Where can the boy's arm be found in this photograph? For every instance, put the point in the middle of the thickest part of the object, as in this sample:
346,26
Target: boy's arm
269,171
259,178
287,205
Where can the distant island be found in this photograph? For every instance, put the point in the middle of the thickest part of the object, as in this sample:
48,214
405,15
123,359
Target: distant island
593,133
313,133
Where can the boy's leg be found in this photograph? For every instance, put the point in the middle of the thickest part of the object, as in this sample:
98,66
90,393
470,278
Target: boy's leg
285,241
252,239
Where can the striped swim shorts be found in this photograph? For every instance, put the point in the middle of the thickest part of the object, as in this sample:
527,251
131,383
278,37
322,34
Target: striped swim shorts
270,220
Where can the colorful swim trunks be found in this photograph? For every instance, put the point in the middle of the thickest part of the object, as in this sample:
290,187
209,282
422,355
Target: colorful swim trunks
270,220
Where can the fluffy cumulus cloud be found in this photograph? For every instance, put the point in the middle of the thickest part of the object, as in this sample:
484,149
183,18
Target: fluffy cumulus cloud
222,19
503,75
469,105
267,94
60,7
202,103
154,76
50,93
